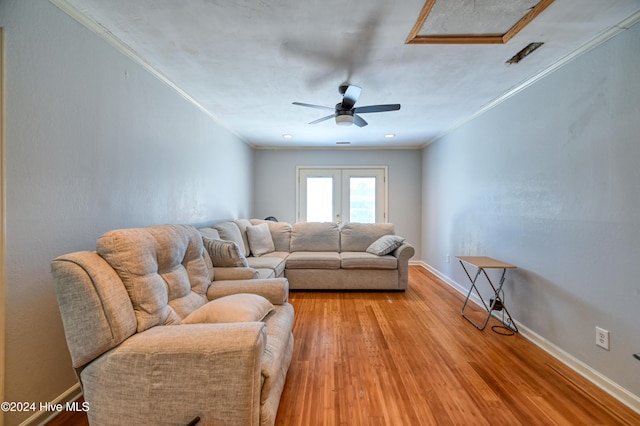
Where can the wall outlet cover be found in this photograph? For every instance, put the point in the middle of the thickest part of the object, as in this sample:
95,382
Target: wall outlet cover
602,338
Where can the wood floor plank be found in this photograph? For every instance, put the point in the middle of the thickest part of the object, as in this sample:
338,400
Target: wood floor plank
410,358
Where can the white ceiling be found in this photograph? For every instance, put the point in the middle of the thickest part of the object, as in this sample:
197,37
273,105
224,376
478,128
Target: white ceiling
246,61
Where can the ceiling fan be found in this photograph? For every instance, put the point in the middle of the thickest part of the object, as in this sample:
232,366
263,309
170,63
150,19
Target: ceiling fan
344,112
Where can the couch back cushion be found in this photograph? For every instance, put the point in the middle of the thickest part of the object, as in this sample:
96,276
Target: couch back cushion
230,231
280,233
359,236
315,236
96,310
163,269
209,233
242,226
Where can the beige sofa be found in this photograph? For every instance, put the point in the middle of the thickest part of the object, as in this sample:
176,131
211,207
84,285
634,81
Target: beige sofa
157,339
319,255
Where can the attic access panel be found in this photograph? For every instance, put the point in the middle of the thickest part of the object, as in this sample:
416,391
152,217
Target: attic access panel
473,21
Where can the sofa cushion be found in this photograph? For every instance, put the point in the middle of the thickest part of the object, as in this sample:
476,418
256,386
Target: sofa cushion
224,253
242,225
265,273
359,236
229,231
210,233
163,270
313,260
315,236
96,309
385,245
240,307
362,260
280,233
274,261
260,241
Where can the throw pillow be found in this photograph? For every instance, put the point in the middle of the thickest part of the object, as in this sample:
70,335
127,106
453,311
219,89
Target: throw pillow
260,240
240,307
385,245
224,253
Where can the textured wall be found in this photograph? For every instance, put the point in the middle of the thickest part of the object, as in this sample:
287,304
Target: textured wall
93,142
275,185
549,181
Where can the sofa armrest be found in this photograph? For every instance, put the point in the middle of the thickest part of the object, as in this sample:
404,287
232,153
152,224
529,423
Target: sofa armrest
403,254
221,273
171,374
275,290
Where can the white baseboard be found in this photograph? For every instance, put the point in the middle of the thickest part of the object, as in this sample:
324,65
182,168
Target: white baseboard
606,384
43,417
460,289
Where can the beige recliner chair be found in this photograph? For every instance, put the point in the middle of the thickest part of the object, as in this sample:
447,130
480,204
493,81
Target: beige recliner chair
156,340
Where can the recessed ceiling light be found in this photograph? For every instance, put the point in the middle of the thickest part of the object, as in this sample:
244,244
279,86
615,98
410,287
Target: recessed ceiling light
390,135
287,136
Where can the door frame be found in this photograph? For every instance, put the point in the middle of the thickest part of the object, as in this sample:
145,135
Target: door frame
385,183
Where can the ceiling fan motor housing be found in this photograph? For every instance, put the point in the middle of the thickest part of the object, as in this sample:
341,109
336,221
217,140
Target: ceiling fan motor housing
344,117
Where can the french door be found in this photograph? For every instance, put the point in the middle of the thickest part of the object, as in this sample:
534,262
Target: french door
342,195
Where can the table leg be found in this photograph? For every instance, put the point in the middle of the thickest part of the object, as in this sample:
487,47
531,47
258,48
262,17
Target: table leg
473,287
511,325
493,303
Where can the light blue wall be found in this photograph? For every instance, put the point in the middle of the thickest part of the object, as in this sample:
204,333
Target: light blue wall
549,181
275,183
93,142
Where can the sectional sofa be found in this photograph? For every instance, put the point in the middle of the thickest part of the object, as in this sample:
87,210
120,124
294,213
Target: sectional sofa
157,338
314,255
170,324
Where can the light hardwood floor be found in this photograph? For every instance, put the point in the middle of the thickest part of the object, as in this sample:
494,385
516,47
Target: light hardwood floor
383,358
409,358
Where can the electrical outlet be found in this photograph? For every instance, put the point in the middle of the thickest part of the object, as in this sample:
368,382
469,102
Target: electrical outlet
448,258
602,338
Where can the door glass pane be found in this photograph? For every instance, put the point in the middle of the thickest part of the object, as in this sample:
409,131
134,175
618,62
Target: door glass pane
362,199
319,199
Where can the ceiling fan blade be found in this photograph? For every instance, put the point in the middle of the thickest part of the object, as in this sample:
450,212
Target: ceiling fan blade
350,97
377,108
313,106
359,121
319,120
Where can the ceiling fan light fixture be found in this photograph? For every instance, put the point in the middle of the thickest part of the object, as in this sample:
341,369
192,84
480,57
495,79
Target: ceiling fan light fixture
344,120
345,112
